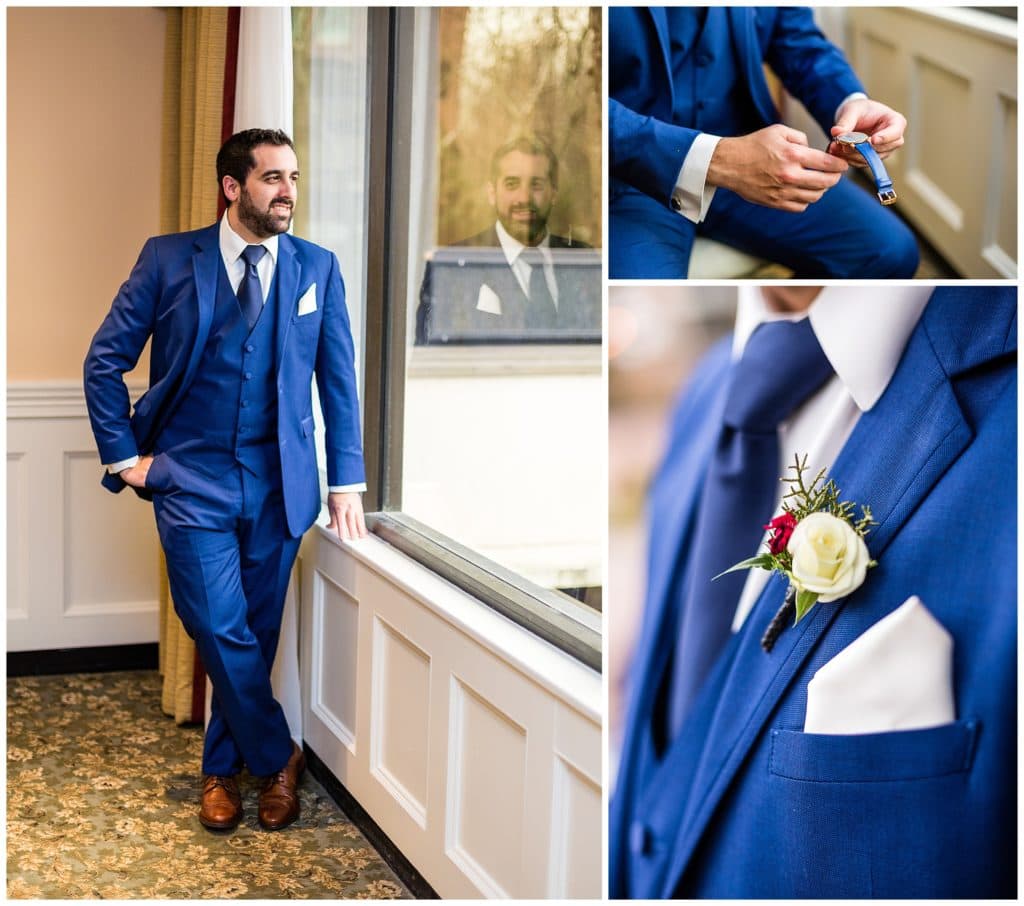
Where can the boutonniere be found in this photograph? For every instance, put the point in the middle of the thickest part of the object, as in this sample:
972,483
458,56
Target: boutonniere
817,544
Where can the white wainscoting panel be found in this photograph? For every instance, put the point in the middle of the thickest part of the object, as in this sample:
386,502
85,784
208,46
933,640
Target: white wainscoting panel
483,762
401,718
83,564
953,73
336,615
17,539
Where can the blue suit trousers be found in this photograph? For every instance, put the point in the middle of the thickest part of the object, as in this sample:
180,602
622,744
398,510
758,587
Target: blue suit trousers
845,234
229,558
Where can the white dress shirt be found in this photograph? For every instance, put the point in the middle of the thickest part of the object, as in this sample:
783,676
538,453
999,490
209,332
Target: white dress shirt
513,250
863,332
231,247
691,190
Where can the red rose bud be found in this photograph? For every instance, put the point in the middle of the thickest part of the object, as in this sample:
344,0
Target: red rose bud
781,527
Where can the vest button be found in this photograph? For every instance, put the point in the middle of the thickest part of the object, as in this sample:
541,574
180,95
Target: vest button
245,403
703,59
639,839
248,375
249,347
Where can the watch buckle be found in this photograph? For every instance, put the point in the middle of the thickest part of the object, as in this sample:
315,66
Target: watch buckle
887,196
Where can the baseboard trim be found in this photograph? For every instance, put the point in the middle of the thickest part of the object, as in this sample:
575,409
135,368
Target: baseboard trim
380,841
101,659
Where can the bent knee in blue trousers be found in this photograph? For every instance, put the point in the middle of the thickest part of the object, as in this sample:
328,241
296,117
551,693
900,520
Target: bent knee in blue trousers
847,234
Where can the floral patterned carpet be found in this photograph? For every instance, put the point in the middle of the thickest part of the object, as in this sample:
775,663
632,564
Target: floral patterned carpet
102,796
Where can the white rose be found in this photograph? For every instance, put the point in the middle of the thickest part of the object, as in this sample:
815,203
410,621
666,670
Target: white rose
829,557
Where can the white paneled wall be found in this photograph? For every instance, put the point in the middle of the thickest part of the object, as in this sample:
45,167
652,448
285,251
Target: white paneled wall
474,745
953,72
82,563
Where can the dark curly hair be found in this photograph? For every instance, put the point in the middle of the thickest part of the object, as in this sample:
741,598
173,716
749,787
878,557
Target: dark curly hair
235,156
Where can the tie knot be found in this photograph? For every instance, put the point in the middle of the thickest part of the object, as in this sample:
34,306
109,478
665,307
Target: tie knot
782,365
532,256
253,254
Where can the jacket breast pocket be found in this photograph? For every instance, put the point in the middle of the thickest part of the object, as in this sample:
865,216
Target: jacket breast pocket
859,805
874,757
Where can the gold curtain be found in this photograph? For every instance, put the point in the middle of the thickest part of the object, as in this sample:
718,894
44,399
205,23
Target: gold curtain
194,55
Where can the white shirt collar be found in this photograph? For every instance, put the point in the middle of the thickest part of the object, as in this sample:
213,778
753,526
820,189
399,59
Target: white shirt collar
862,330
232,245
511,246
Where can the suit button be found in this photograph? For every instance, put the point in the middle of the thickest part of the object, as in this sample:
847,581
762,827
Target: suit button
677,205
639,839
249,347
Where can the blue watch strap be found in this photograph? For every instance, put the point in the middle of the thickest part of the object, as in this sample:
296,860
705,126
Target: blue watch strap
862,143
883,184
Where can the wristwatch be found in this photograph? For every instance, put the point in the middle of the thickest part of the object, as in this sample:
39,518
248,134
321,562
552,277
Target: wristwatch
861,142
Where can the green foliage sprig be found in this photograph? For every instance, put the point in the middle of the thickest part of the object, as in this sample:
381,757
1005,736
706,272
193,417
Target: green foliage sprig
801,500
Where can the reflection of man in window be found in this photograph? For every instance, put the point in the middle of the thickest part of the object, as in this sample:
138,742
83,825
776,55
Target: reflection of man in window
517,288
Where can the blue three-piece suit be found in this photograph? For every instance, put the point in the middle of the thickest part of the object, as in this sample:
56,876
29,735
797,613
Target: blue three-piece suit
234,483
676,72
742,802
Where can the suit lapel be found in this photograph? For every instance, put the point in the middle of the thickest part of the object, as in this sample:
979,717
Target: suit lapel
896,454
660,18
206,265
286,276
748,49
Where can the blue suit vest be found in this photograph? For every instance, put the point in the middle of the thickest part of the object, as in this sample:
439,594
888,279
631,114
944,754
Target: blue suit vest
228,416
709,93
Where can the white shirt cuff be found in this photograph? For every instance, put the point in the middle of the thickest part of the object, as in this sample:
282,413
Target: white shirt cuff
692,195
856,96
116,467
347,488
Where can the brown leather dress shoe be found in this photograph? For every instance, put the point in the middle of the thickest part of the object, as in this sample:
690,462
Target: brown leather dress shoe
279,800
221,804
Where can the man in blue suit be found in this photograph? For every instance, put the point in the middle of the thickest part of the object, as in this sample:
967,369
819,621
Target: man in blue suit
241,316
696,146
732,781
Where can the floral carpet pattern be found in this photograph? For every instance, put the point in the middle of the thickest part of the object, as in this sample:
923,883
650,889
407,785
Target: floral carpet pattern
102,801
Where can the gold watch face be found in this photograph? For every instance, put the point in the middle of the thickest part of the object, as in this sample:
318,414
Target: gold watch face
851,138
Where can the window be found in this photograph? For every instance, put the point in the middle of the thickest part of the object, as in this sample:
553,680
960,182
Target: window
484,409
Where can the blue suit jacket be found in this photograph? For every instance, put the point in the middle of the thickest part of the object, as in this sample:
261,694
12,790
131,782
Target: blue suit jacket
170,296
645,149
745,804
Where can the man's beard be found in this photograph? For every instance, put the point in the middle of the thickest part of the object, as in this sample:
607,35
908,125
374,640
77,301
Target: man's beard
263,223
526,231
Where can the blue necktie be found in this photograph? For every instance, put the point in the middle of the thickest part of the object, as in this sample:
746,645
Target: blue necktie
781,366
542,306
250,293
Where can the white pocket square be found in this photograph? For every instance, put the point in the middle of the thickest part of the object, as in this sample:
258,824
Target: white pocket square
488,301
898,675
307,304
